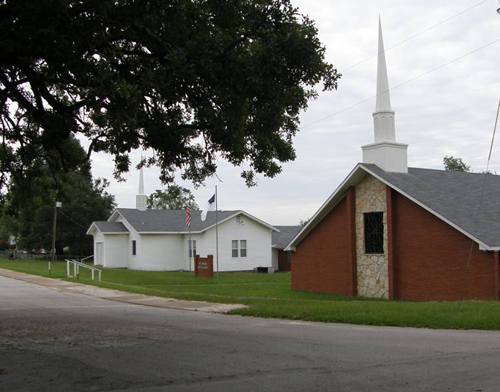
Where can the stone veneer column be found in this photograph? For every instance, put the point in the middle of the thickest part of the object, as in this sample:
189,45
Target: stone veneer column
372,269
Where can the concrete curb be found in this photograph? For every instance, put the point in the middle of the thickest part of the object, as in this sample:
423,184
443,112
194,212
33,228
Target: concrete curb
120,296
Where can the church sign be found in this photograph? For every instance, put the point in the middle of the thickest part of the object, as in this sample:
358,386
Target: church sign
204,266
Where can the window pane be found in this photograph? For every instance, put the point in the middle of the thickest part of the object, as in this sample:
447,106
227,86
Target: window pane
374,232
191,248
243,248
234,248
133,247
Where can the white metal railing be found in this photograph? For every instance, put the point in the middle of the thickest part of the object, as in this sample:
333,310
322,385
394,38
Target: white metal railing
76,269
86,258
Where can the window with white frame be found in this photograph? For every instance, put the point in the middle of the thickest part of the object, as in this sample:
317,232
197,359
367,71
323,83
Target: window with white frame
134,248
192,248
234,248
243,248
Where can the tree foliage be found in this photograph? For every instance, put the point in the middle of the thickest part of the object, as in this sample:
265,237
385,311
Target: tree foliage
174,197
196,81
28,207
455,164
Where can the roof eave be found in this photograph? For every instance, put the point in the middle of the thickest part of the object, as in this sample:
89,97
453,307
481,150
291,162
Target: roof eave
241,212
481,244
335,198
317,217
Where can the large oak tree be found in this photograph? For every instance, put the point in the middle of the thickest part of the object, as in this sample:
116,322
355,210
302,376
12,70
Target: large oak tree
194,80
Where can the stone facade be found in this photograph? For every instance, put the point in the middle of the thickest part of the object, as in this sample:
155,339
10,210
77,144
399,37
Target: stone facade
372,269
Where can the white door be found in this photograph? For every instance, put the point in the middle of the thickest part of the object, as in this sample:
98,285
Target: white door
98,253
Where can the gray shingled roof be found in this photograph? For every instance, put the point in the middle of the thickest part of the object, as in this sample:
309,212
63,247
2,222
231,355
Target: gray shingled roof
468,201
286,233
471,201
111,227
169,220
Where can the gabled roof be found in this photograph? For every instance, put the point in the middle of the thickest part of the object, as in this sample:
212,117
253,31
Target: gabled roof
469,202
174,221
283,237
108,227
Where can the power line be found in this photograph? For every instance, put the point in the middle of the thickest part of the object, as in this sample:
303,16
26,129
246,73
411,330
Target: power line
417,34
405,82
73,220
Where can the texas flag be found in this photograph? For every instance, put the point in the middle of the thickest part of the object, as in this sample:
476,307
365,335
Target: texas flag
210,207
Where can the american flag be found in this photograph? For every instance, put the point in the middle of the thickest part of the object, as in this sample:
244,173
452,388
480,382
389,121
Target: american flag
188,217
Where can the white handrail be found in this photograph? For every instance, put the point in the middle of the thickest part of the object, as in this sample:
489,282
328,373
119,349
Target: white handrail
86,258
76,269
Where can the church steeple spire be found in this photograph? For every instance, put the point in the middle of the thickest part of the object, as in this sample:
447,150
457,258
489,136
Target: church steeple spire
385,152
383,118
141,198
383,97
141,182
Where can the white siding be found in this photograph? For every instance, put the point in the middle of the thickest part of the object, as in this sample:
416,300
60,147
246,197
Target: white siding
115,250
158,252
258,239
169,252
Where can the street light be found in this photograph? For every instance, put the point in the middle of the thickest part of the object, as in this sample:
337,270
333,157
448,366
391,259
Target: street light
54,225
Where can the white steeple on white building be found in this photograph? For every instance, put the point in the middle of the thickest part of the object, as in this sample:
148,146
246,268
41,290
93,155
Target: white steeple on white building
386,153
141,198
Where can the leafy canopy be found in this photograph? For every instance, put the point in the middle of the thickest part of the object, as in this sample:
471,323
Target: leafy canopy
455,164
194,80
174,197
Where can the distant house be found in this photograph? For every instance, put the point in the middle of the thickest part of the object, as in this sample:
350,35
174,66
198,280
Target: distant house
281,238
158,240
389,231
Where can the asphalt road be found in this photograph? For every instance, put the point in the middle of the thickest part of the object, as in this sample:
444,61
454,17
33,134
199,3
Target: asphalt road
53,341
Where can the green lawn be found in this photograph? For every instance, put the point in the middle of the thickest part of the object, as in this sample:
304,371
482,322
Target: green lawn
271,296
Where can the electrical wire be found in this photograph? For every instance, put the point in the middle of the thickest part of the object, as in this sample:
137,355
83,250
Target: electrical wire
416,34
72,219
457,59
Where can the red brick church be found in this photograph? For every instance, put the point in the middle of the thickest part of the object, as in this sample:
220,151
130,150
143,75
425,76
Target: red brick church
389,231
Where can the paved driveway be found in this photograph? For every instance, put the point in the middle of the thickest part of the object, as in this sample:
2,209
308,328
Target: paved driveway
54,341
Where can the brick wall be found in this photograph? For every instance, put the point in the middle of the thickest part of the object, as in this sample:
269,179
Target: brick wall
433,261
323,261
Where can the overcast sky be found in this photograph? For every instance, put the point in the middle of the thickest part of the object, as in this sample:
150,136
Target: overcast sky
445,84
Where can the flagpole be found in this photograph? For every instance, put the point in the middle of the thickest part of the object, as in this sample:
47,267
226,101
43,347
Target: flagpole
216,232
190,248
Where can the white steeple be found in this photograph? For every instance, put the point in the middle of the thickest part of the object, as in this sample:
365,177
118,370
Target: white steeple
383,97
141,182
385,152
141,198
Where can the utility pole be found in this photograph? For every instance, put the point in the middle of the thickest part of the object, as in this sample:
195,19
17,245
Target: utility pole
54,231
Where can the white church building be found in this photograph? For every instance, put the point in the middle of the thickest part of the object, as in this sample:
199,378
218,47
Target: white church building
158,240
